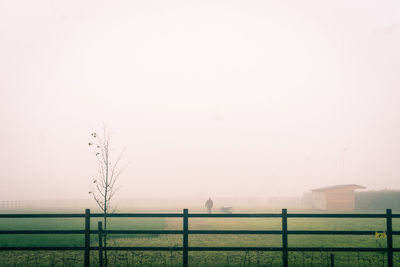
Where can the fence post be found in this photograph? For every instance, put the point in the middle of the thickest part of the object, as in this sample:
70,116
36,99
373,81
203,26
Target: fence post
284,239
389,238
100,233
185,237
87,238
332,260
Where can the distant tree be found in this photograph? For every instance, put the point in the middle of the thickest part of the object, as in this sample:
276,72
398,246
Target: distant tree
104,184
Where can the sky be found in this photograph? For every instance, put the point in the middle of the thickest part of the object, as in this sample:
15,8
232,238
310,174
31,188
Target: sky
241,98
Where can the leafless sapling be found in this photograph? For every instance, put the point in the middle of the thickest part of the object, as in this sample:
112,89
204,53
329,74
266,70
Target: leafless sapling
104,184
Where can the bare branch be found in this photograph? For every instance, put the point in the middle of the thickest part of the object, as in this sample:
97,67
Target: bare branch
99,190
98,201
112,193
117,162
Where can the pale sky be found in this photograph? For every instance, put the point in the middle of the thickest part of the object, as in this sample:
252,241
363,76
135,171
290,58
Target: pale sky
209,98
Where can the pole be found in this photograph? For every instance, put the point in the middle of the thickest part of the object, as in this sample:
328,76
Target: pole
344,150
389,239
87,238
100,232
284,239
185,237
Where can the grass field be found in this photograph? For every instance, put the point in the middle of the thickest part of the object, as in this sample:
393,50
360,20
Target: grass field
66,224
199,258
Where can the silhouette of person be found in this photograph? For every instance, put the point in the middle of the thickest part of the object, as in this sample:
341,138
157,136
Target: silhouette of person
209,204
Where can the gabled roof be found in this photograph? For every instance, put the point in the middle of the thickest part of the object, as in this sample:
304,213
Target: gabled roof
343,186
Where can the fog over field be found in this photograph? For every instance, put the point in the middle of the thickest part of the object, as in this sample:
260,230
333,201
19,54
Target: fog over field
219,99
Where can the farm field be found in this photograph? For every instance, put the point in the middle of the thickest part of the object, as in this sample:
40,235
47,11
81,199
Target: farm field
26,258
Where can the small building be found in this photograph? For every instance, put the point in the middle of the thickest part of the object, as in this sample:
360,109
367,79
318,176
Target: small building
335,198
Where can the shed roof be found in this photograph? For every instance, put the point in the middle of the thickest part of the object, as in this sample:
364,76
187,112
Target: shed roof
343,186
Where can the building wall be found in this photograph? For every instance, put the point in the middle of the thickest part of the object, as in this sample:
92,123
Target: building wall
334,199
319,200
340,200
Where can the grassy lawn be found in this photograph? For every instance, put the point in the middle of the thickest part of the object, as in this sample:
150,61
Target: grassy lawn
199,258
273,258
67,224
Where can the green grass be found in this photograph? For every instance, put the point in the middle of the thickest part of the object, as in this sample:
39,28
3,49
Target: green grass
68,224
200,258
274,258
275,240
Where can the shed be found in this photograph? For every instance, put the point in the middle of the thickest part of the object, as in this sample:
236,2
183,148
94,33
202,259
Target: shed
335,198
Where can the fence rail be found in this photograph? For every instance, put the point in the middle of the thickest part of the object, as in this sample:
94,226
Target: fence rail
185,232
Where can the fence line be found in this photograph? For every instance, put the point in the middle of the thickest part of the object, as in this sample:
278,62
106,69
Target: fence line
15,204
185,232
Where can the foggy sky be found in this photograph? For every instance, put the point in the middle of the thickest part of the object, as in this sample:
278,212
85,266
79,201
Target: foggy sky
209,98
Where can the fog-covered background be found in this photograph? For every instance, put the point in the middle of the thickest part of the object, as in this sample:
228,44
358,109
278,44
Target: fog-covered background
238,98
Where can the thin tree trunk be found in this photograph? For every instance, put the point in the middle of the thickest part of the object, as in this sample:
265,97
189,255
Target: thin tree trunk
105,241
106,209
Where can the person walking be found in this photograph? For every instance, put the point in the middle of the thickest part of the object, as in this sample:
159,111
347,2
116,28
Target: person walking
209,204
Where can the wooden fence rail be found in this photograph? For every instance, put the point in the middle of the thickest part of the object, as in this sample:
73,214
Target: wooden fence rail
185,232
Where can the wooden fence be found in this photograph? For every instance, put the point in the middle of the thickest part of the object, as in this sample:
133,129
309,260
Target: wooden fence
185,248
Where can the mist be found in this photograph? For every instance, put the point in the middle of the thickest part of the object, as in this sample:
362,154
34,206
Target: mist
229,99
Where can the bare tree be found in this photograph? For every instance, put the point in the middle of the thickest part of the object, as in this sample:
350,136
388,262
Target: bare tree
104,184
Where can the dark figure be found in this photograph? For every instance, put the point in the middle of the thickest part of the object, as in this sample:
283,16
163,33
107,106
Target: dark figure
209,204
